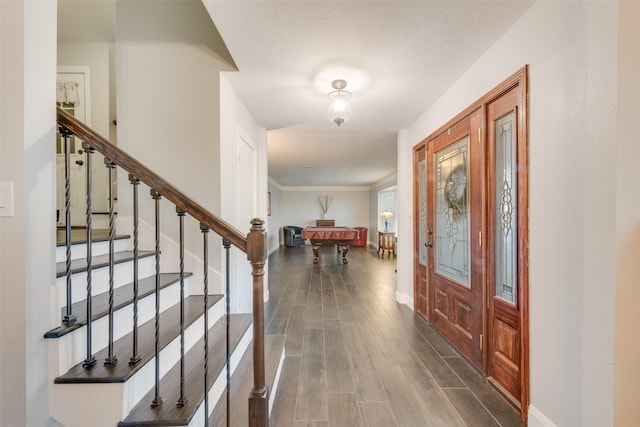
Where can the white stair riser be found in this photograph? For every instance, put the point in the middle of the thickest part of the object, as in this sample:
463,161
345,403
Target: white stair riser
123,274
71,348
82,405
79,250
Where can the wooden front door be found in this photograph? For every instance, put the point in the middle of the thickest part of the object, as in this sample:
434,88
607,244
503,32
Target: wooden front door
471,235
506,238
455,218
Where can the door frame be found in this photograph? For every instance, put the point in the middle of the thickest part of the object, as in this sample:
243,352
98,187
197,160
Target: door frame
517,81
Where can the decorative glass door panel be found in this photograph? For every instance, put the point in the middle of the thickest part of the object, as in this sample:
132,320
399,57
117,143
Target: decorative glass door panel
506,209
421,236
455,212
506,237
452,212
422,209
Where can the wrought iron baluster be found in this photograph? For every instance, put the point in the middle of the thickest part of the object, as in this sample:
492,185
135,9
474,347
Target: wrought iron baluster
69,317
135,357
205,257
90,360
182,400
111,358
157,401
227,245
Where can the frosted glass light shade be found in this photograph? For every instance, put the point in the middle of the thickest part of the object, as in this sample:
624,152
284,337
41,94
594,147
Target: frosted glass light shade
339,110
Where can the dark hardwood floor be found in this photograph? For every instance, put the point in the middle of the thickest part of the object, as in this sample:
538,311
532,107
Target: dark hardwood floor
355,357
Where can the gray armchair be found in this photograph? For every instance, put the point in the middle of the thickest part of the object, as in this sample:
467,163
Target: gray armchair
293,236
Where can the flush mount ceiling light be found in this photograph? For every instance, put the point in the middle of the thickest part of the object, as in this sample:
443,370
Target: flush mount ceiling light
339,109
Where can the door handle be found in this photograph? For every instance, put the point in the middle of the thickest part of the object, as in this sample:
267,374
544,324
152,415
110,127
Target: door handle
428,244
79,162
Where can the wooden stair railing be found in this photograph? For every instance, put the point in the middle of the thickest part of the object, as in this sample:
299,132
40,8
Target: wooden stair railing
253,244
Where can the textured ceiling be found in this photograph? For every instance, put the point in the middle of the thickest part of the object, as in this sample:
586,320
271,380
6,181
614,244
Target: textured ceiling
396,56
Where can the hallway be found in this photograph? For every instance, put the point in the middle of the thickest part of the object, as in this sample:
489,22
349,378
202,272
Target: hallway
354,357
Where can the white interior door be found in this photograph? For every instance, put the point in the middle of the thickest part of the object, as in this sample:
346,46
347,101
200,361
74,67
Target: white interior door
247,210
73,96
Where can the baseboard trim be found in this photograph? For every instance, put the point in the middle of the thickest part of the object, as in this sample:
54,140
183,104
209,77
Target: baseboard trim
538,419
404,299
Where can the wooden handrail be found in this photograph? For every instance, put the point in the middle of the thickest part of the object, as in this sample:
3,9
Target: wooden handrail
150,178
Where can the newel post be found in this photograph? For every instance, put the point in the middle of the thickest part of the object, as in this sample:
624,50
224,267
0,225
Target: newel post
257,255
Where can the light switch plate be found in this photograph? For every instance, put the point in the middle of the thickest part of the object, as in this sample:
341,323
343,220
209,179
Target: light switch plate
6,198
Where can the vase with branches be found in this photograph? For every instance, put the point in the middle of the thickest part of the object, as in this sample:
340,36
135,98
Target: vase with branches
325,202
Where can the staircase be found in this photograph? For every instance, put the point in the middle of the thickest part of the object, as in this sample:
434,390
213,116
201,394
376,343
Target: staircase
156,349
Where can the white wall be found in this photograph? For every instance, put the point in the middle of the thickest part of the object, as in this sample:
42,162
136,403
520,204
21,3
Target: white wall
27,259
627,344
350,206
571,50
168,103
235,119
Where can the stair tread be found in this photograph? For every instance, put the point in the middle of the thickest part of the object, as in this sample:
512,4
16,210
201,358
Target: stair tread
242,383
79,235
123,295
168,414
99,261
122,371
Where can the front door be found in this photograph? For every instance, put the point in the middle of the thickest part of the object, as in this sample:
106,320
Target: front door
454,234
73,97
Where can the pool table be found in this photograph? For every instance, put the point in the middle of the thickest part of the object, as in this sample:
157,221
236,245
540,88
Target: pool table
329,236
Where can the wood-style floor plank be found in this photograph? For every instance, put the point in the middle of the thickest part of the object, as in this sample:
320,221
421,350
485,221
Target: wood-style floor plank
377,414
494,403
365,377
343,410
312,402
357,357
338,365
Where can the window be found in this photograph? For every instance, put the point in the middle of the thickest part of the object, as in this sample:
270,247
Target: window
387,202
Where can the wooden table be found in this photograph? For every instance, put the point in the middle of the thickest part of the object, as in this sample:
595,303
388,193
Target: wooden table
386,242
329,236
